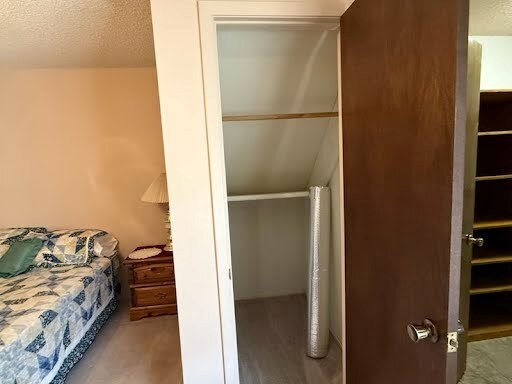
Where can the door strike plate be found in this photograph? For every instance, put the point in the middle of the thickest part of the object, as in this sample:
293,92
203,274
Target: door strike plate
453,342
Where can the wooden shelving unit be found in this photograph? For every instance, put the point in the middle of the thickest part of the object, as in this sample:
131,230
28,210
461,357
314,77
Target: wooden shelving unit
494,133
491,278
491,316
492,178
492,224
486,256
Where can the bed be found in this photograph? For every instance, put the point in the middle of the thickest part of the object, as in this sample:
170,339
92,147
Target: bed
50,316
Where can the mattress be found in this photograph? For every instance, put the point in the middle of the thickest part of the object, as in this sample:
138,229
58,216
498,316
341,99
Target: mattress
48,318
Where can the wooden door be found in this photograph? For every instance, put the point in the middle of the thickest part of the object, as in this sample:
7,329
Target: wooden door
473,109
403,73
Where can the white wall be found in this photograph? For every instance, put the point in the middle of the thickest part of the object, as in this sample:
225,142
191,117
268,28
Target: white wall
180,82
178,57
271,156
496,61
269,247
279,69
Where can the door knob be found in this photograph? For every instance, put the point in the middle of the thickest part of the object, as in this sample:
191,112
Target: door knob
478,241
425,331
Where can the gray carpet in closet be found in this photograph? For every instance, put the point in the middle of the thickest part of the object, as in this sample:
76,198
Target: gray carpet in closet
272,344
489,362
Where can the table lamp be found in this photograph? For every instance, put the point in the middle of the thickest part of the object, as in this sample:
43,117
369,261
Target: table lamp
157,194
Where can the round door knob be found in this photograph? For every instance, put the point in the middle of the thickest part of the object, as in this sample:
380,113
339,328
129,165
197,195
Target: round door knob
478,241
425,331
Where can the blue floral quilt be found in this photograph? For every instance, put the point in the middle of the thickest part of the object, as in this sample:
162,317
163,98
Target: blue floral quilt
44,316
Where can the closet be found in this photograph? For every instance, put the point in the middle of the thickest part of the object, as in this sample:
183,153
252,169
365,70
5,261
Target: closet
491,278
279,91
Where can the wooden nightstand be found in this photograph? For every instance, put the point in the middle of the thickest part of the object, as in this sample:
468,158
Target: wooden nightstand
152,286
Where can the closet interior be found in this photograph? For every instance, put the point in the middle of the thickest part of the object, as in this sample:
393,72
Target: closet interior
279,92
491,278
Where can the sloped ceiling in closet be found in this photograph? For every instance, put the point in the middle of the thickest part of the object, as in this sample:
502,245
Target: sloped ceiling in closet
272,71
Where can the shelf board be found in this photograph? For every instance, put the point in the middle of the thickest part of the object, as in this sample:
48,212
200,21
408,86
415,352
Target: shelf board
484,256
494,133
494,96
496,177
490,317
491,287
494,280
492,224
493,331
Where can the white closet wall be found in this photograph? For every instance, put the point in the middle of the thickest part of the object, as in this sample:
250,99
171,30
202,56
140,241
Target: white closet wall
269,70
269,244
496,58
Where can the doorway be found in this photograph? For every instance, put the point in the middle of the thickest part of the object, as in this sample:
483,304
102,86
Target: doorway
280,135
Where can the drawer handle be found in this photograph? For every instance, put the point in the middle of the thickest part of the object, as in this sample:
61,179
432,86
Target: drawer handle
161,295
157,270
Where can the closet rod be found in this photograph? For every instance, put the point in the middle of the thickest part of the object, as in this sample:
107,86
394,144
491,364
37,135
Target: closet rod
269,196
284,116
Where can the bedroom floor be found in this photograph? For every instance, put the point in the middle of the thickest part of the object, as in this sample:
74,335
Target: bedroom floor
272,344
489,362
140,352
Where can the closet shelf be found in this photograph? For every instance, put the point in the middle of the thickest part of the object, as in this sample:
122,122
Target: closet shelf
494,133
283,116
492,224
491,281
496,177
269,196
491,329
491,317
491,288
484,256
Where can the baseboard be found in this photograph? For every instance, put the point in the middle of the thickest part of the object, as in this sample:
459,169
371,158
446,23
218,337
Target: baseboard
338,342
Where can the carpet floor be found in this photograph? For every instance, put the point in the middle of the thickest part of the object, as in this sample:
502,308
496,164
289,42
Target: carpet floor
272,344
489,362
139,352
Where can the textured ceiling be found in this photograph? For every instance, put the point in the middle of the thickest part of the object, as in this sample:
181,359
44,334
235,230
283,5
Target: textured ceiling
76,33
118,33
490,17
275,71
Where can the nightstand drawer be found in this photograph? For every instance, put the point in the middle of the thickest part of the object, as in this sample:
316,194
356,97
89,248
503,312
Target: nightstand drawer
153,273
148,296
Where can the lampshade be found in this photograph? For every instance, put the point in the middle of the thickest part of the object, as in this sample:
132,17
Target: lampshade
157,191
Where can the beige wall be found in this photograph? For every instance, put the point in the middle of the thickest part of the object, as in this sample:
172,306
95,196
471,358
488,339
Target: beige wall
78,148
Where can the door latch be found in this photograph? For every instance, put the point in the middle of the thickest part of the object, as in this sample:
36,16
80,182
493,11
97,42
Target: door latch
453,342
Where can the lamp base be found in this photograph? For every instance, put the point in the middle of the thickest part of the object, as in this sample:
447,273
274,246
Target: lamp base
168,248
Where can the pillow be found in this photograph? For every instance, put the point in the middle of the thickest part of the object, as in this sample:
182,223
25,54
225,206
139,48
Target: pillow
9,236
68,247
11,233
19,257
105,246
3,249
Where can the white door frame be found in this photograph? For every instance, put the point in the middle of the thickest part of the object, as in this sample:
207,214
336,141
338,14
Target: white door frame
212,13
